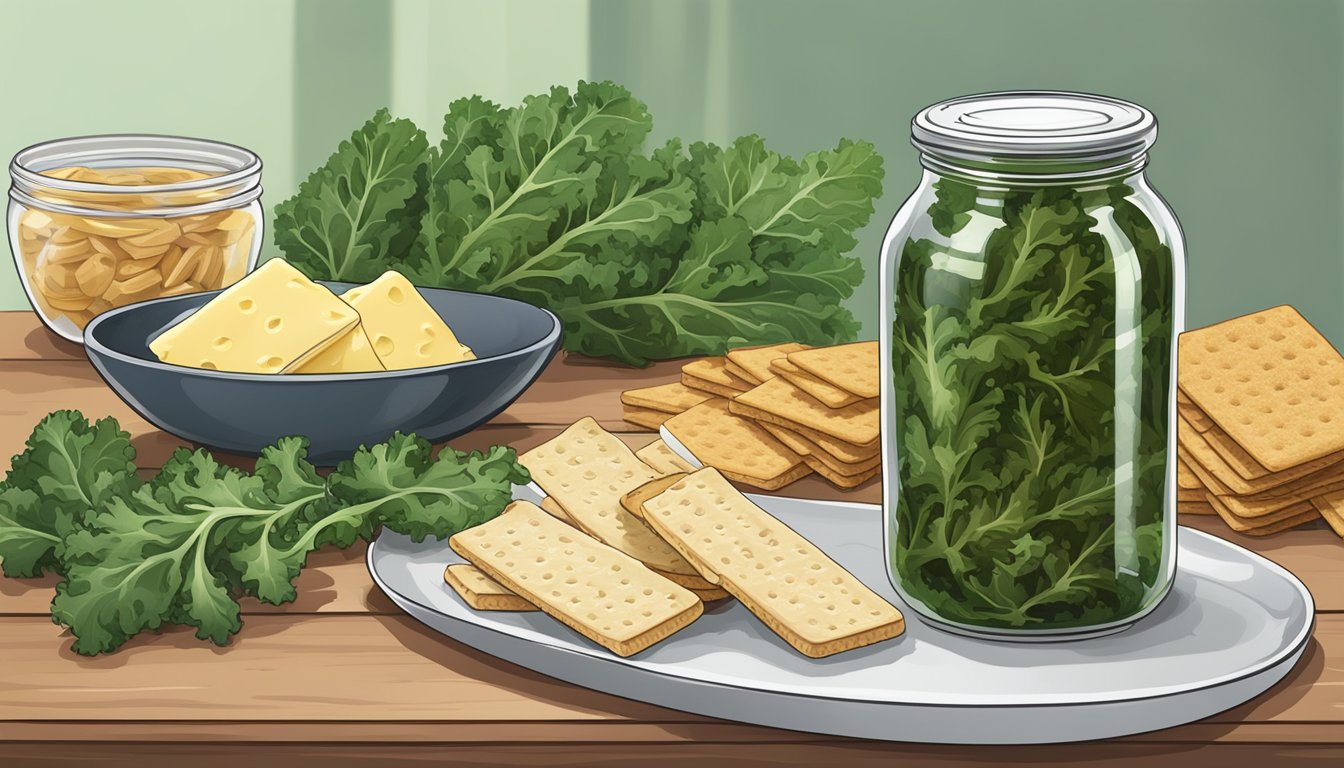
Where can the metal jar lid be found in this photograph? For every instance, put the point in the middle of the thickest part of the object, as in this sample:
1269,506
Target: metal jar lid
1033,125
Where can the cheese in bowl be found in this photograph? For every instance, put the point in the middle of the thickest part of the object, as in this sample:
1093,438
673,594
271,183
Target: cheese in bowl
278,321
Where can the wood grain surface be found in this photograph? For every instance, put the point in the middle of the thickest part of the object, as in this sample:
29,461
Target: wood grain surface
340,677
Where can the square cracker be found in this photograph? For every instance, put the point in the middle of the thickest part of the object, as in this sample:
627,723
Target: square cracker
737,446
755,361
1290,517
826,392
806,448
838,479
713,372
1271,382
1202,458
799,592
669,398
481,592
780,402
596,590
586,469
852,367
1331,507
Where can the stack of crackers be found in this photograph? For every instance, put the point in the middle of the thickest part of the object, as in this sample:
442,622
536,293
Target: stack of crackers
1261,423
626,547
766,416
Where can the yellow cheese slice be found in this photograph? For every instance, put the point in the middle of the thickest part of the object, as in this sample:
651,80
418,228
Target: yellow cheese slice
271,321
406,332
351,353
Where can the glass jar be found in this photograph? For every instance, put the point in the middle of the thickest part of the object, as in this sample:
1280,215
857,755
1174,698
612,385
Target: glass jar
97,222
1032,289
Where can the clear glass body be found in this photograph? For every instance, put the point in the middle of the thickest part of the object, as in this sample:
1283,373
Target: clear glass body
1029,364
102,221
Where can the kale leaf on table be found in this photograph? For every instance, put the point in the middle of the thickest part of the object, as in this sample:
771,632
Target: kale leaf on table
1031,406
182,547
643,256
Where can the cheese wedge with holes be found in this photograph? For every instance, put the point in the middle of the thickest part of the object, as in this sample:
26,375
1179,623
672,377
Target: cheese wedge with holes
271,321
405,331
351,353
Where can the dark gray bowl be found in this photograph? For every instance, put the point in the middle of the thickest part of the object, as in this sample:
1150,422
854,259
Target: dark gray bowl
243,413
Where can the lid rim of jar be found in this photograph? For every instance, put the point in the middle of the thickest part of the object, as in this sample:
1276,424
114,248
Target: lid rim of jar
248,173
245,197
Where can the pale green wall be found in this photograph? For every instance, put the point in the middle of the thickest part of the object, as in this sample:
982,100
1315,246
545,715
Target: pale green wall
1249,92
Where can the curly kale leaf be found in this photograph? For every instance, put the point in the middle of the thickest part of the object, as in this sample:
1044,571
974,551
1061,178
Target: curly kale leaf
182,548
67,471
361,208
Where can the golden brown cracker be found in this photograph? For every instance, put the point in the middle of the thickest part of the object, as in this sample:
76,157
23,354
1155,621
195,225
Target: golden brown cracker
1185,477
596,590
827,393
1195,507
1331,507
806,447
755,361
1289,517
780,402
1271,382
712,370
644,417
481,592
793,587
553,508
737,371
669,398
586,469
718,438
712,388
852,367
838,479
633,499
1202,457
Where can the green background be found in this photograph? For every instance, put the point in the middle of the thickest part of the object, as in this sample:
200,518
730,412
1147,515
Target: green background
1248,94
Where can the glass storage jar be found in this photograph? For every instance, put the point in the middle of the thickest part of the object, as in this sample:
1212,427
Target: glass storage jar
1032,290
97,222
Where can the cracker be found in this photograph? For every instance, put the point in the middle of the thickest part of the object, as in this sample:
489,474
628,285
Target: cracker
852,367
1203,454
601,593
711,371
736,445
806,448
779,402
1200,507
662,459
840,480
552,507
827,393
712,594
1186,477
792,586
1302,512
669,398
737,371
1211,483
644,417
755,361
1251,508
481,592
586,470
1271,382
633,500
1331,507
712,388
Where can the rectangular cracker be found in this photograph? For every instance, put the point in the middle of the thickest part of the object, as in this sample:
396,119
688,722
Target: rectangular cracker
644,417
1202,507
712,388
1272,382
852,367
1302,512
827,393
633,500
586,469
712,371
799,592
755,361
662,459
481,592
736,445
737,371
1185,477
552,507
596,590
668,398
780,402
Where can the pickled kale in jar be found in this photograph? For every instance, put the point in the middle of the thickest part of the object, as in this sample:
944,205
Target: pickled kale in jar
1033,288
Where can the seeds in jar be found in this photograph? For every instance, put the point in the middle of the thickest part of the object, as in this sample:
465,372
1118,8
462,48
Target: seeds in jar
79,265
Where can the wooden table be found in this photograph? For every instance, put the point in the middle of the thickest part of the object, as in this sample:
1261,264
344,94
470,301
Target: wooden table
341,677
